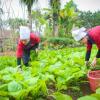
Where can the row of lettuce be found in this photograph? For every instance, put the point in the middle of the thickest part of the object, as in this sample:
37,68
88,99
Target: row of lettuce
51,73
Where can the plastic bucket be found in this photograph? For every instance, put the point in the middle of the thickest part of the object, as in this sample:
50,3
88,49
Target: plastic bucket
94,79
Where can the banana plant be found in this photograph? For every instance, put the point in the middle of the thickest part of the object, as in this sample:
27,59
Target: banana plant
68,16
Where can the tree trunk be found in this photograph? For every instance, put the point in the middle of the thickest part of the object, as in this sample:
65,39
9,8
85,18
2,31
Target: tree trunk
30,18
55,24
55,30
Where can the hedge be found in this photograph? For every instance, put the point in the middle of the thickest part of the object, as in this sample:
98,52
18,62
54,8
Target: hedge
59,42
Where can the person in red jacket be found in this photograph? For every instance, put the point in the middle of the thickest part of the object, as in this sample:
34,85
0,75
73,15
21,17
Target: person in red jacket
28,41
89,37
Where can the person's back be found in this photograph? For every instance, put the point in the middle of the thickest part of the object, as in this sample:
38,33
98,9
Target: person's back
94,33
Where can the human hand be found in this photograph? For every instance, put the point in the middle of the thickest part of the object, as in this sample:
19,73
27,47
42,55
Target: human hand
94,62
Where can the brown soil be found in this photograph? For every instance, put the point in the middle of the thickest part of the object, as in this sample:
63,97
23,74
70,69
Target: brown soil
8,53
84,90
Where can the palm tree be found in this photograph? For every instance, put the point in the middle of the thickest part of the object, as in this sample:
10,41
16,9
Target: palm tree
1,10
29,4
55,6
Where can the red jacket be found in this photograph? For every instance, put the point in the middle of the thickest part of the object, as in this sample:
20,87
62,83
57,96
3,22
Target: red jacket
94,34
34,40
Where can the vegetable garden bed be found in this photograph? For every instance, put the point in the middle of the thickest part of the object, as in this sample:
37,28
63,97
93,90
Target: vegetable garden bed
54,75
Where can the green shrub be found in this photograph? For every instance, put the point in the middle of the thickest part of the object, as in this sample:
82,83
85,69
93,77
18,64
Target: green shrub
59,42
6,61
62,41
43,39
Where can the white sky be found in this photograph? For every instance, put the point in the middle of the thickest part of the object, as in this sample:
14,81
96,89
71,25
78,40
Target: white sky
17,10
85,5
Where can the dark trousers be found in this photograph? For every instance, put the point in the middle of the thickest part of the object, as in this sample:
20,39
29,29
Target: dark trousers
26,57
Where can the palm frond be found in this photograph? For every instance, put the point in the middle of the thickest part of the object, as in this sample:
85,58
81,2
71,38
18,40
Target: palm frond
28,2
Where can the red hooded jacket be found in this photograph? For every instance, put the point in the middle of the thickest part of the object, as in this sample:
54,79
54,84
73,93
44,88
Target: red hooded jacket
94,34
94,38
20,48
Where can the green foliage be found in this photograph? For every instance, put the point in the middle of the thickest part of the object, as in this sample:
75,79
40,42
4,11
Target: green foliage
33,55
55,5
87,98
38,20
61,20
62,68
98,91
68,17
15,23
61,41
88,19
4,98
96,95
58,42
14,86
57,21
60,96
7,61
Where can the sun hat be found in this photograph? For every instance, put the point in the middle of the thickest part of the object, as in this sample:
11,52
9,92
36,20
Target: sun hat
24,32
79,33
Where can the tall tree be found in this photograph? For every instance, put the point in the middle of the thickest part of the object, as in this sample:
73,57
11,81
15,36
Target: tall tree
29,4
38,20
55,6
15,23
88,19
68,17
